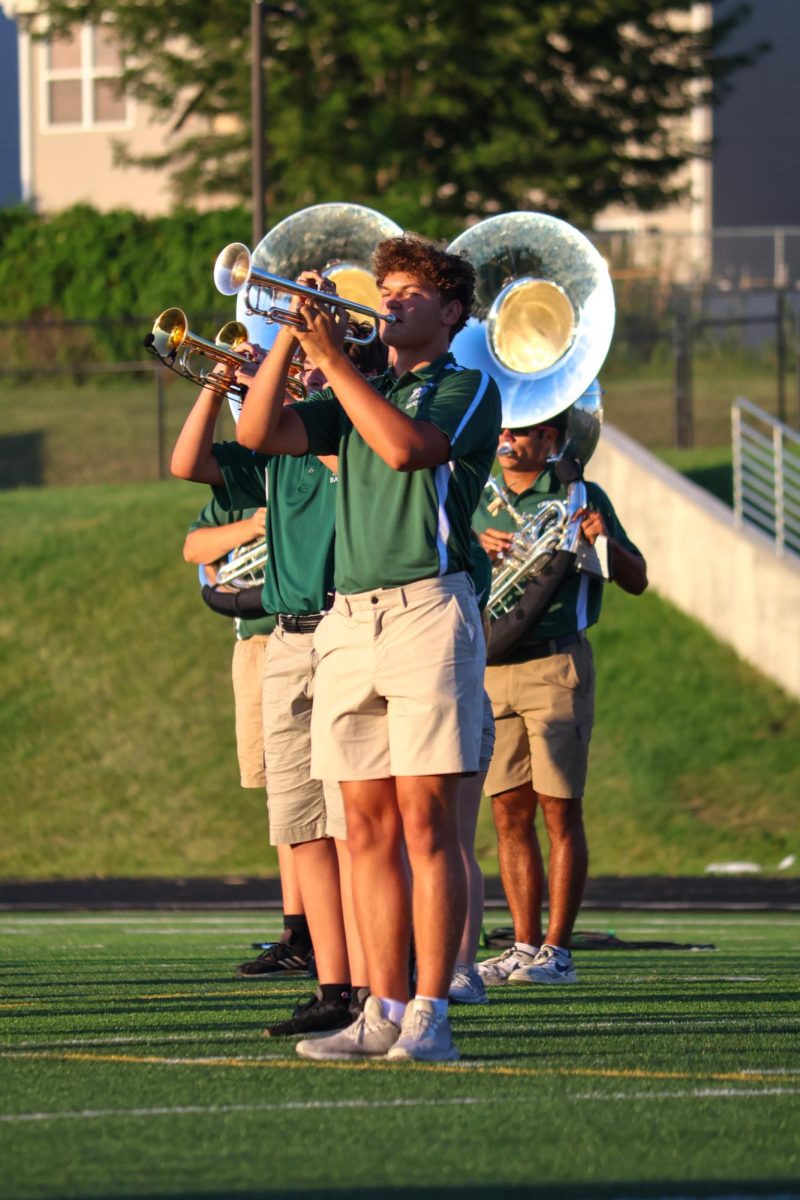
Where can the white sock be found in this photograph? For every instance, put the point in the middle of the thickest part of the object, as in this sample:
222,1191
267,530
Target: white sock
526,947
439,1006
393,1010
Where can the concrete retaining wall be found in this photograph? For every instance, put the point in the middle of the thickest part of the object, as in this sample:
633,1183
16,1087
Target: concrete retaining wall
729,579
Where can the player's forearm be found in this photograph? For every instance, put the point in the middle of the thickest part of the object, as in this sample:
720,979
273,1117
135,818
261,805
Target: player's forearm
402,443
627,569
192,457
208,545
259,424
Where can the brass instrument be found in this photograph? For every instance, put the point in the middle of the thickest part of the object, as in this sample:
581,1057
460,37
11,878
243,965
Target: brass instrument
543,326
336,239
538,539
244,567
172,341
544,314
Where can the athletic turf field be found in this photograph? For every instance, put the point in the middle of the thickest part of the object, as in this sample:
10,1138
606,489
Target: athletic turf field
132,1065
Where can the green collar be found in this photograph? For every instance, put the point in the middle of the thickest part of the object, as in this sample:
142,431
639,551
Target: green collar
432,371
544,483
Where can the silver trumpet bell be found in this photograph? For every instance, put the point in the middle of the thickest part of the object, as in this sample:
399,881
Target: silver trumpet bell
544,315
336,239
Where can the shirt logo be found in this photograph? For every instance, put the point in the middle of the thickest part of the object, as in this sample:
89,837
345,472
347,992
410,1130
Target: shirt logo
418,394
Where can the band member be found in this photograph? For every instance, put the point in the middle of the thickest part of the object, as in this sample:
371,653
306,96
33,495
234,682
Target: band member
467,986
304,813
211,537
542,688
397,717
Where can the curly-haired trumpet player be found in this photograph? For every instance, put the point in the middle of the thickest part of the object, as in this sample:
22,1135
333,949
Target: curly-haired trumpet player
398,699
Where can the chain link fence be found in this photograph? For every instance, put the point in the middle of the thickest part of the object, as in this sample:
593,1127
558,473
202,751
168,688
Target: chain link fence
700,320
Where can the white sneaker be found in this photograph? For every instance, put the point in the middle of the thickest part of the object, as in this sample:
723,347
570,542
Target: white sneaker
552,964
370,1036
497,970
467,986
424,1037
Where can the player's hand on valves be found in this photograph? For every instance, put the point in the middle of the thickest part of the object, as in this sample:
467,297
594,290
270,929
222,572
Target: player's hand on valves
245,372
495,542
592,525
325,329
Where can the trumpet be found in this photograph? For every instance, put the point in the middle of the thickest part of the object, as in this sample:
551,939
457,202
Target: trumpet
235,272
172,341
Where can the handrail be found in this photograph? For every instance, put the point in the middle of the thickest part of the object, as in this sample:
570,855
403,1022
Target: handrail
766,474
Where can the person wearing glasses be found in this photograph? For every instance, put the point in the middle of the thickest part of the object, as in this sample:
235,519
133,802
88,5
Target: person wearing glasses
541,684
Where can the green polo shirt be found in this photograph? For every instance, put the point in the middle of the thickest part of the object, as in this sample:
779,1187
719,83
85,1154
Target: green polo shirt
394,527
301,510
577,602
212,516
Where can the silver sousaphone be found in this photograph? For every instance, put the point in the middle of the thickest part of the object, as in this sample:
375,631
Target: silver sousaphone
336,239
542,326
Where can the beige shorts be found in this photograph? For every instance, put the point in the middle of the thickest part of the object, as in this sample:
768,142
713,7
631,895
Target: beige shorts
543,711
399,682
247,672
301,809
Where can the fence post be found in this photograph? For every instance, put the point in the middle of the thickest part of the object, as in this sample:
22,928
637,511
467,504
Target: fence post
161,423
682,347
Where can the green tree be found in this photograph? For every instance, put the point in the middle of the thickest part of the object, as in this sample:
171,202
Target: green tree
433,112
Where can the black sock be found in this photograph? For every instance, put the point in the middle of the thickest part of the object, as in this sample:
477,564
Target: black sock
297,925
336,993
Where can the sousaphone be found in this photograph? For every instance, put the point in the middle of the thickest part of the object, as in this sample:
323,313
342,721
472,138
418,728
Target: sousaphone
336,239
543,321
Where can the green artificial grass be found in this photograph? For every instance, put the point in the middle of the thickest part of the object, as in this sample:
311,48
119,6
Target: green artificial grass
116,714
131,1065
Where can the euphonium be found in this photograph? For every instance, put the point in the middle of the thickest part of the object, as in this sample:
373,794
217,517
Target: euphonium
538,539
244,567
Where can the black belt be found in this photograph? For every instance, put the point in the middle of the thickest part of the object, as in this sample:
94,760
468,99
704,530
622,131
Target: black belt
551,646
292,624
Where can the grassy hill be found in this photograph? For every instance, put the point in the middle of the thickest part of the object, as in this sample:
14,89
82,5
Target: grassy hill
116,729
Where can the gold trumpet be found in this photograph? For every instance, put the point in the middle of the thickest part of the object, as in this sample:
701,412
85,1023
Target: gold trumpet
235,272
172,341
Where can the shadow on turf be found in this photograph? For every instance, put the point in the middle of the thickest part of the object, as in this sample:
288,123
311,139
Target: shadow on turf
662,1190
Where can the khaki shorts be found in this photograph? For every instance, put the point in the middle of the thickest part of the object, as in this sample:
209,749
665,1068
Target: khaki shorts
301,809
247,672
543,711
399,682
487,735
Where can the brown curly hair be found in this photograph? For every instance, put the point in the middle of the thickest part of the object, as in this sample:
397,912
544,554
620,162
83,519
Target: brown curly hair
451,275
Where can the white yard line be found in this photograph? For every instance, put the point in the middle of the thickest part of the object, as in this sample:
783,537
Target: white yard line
90,1114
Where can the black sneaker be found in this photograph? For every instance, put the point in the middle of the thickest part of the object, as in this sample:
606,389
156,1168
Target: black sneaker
315,1016
280,958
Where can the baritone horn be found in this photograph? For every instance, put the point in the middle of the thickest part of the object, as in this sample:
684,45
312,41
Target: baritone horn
244,567
336,239
172,341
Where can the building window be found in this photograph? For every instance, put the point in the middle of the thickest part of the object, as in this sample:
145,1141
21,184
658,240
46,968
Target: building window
79,71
